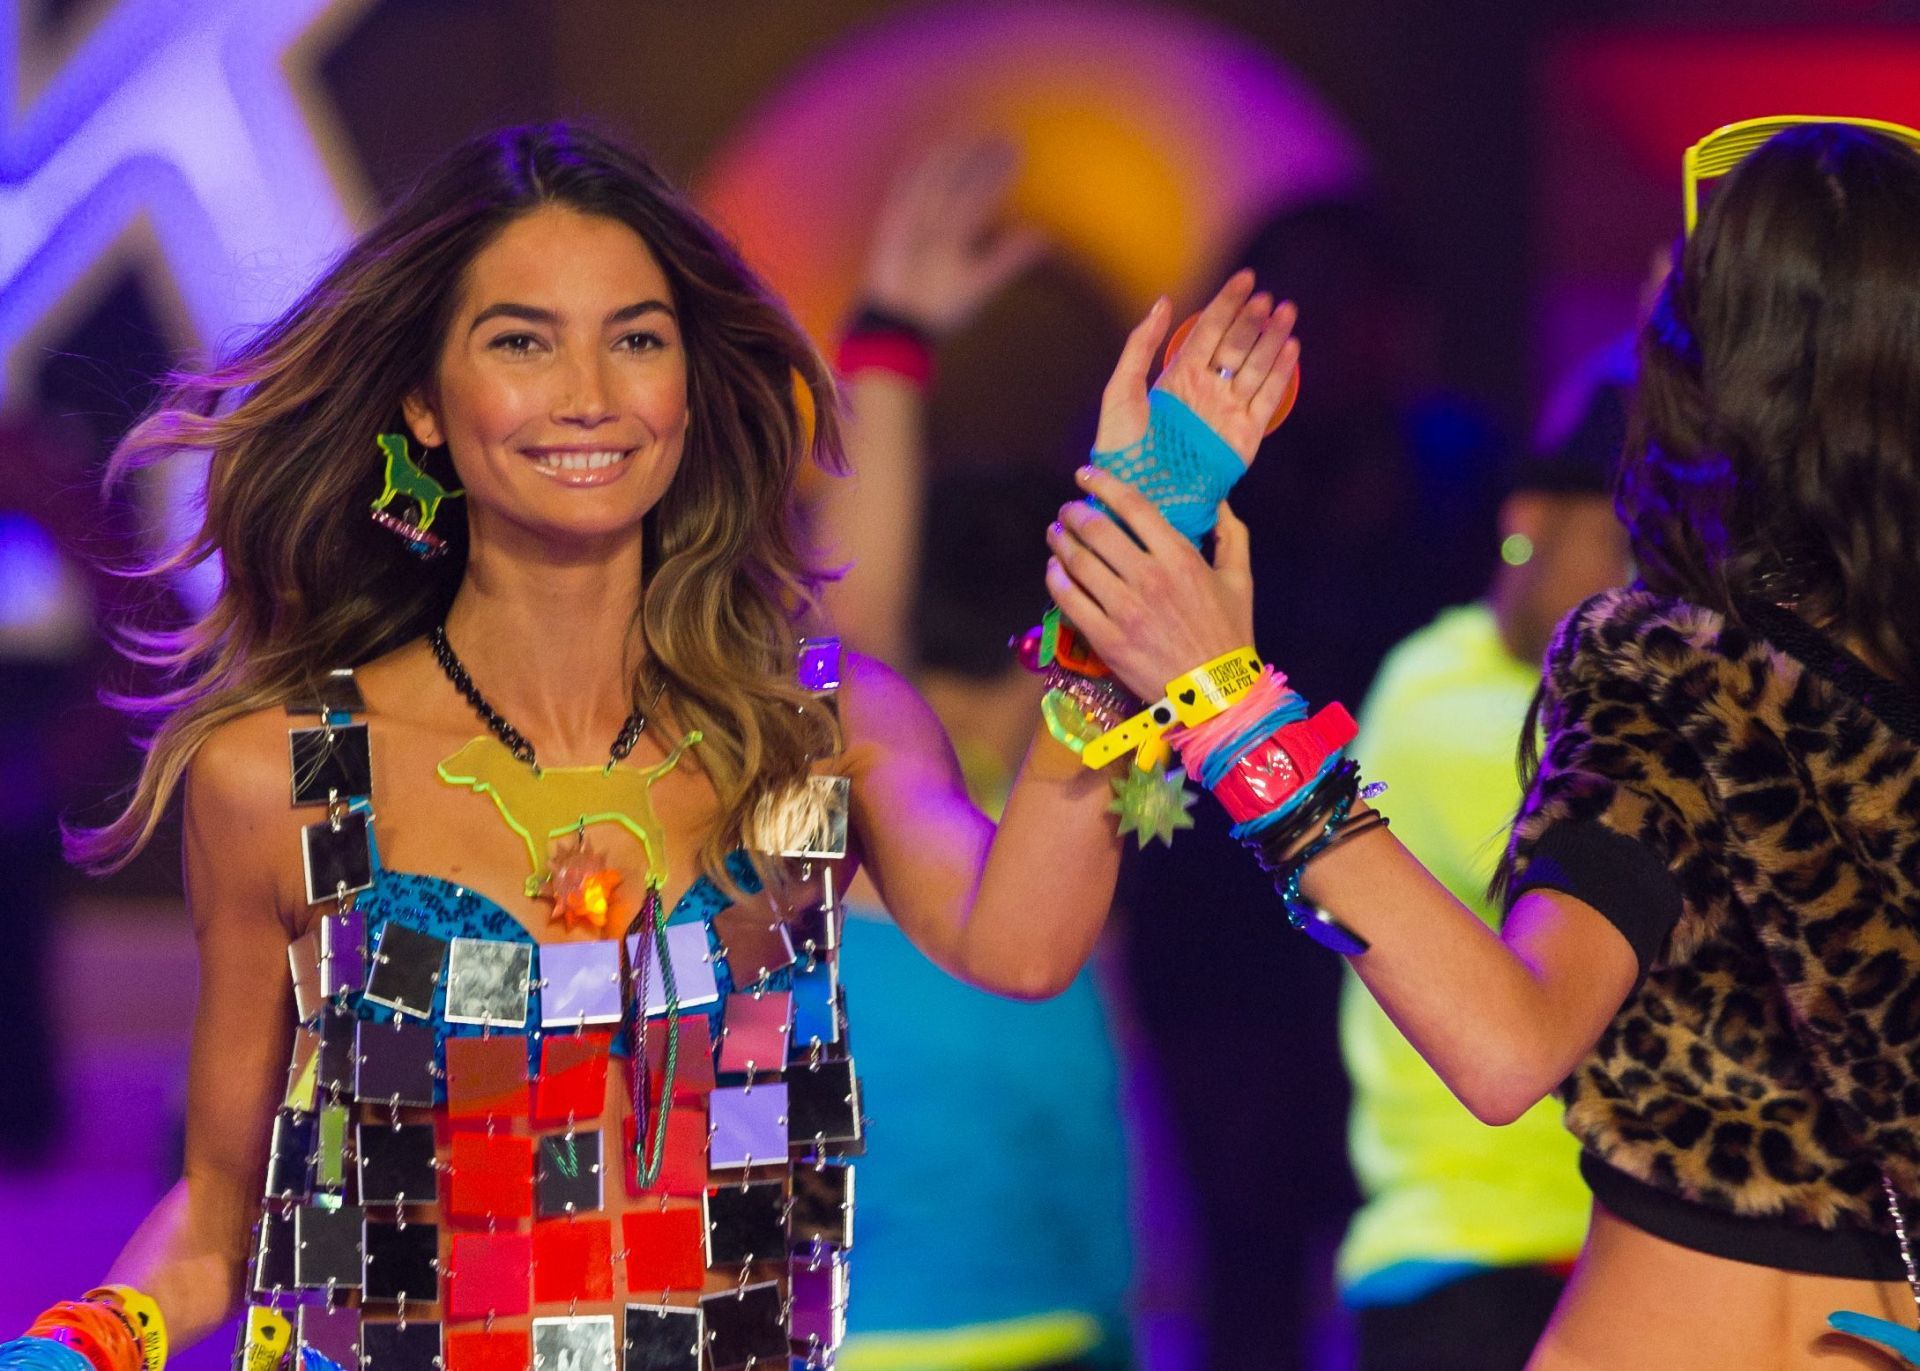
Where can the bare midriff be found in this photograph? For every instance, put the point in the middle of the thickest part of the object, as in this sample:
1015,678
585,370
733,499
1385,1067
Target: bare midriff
1637,1302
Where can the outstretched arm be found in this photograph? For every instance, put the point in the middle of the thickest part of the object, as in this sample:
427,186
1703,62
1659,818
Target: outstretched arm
1502,1017
1016,911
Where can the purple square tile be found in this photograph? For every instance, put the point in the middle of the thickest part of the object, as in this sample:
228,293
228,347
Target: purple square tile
579,984
748,1125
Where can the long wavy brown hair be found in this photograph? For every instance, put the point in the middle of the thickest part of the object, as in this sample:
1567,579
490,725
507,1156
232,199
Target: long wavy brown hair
312,584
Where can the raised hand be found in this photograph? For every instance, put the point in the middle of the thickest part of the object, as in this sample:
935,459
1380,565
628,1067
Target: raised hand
943,246
1232,370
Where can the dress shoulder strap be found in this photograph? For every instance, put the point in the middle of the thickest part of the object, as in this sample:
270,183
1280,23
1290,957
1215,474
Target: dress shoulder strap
332,765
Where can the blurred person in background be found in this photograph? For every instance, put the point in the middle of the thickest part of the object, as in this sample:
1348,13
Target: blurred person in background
1372,512
993,1204
1465,1234
48,654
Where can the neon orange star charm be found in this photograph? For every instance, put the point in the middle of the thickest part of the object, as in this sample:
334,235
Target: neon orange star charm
584,888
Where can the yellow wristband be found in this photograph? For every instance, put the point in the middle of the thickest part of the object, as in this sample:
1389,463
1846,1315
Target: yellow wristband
146,1320
1191,699
1207,690
1142,730
267,1336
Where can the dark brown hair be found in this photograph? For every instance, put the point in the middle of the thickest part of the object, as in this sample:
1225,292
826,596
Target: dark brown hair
312,584
1775,449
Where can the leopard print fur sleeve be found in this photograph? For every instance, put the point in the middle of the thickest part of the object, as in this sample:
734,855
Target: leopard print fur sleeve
1769,1061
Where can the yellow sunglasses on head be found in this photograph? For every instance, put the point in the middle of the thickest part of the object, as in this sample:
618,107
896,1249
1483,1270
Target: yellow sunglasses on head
1726,147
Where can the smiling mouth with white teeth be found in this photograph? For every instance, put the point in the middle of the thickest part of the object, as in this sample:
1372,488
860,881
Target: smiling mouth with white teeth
575,467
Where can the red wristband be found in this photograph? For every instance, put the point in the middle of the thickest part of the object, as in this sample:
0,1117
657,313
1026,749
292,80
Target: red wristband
1273,769
899,354
1258,782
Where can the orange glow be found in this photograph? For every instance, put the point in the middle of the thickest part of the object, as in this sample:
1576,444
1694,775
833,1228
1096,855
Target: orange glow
592,901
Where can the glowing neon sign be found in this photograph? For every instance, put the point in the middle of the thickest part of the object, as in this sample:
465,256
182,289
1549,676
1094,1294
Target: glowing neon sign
187,114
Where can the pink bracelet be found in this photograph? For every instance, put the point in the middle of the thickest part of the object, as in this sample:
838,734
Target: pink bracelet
897,354
1200,742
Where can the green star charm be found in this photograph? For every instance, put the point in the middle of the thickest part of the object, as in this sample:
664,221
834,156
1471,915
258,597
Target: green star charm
1152,804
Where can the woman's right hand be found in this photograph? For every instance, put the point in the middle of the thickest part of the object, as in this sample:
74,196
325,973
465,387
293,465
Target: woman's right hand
1153,609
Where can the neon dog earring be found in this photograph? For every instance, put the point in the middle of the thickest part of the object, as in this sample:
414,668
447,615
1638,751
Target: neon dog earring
405,477
1728,146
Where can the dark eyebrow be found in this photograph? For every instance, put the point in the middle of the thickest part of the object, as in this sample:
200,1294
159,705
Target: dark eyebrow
508,310
632,312
532,314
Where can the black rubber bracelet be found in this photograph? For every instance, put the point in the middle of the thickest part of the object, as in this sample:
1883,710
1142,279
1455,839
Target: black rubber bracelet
869,320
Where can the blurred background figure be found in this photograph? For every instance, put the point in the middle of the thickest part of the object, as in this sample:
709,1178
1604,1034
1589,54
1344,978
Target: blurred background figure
1368,512
993,1206
1465,1232
47,645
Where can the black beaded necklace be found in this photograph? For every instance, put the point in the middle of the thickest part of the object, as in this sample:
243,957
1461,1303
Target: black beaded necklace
514,740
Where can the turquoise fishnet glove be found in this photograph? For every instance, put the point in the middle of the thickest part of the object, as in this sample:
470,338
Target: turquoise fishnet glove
1180,464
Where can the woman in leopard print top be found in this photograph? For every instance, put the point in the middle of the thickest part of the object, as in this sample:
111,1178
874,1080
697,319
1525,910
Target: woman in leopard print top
1714,927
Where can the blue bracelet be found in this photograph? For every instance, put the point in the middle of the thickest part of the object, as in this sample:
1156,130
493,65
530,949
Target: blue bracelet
1180,464
41,1354
1290,710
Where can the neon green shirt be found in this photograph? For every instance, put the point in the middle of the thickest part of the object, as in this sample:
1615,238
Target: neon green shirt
1440,726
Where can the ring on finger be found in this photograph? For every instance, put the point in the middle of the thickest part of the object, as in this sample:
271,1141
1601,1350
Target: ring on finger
1224,373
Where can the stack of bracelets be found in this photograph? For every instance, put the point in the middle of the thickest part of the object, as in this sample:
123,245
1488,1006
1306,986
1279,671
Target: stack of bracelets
1285,780
1084,699
114,1328
1283,777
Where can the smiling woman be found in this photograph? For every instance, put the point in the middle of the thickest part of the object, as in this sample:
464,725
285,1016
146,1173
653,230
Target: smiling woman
520,310
555,386
669,787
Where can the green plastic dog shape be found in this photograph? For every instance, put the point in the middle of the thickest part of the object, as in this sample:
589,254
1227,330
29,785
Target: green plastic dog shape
404,477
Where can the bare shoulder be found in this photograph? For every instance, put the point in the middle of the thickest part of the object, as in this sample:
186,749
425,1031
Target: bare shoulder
241,833
891,731
879,705
242,767
865,680
241,776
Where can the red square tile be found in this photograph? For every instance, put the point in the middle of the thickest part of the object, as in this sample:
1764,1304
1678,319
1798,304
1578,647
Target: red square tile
573,1077
487,1274
684,1171
473,1349
490,1176
693,1069
666,1248
572,1259
486,1076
